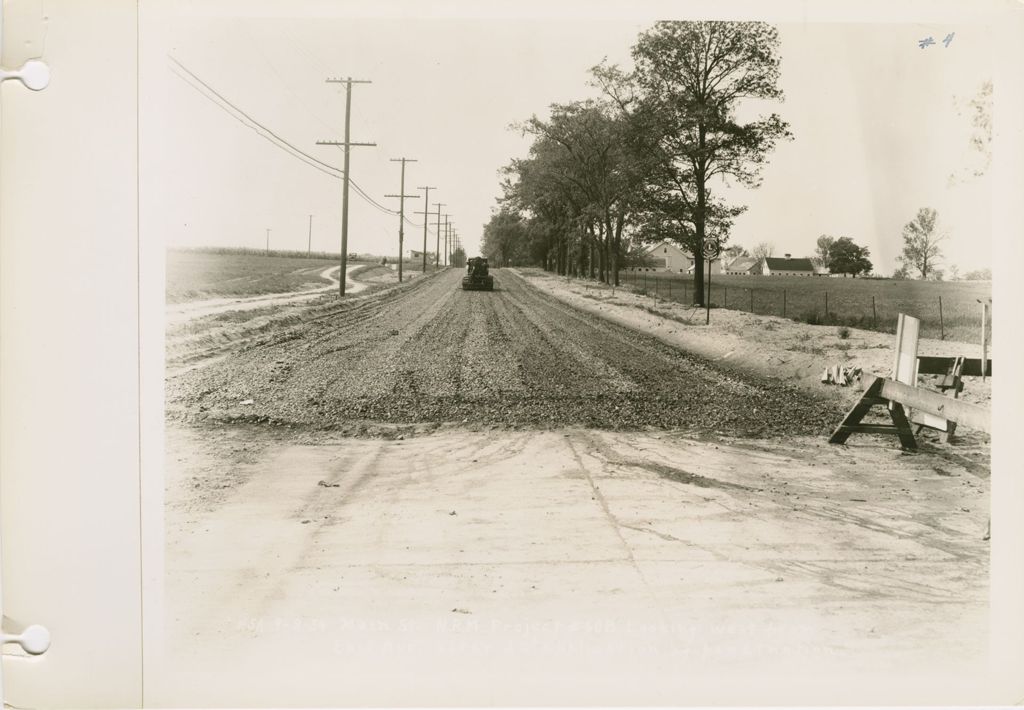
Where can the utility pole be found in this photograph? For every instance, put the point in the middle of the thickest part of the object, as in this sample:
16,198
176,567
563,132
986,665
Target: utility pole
426,218
437,237
447,242
309,242
348,82
268,242
401,213
446,232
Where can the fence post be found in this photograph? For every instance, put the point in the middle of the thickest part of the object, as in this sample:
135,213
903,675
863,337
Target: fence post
684,291
874,315
670,288
942,327
751,300
784,302
826,308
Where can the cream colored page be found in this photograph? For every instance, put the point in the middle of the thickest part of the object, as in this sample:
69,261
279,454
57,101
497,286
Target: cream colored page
69,474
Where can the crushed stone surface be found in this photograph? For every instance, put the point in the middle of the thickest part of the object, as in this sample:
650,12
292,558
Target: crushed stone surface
514,357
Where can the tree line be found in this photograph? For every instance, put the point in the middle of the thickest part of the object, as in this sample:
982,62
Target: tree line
648,159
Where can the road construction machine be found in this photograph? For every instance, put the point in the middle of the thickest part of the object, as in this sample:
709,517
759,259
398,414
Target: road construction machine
477,278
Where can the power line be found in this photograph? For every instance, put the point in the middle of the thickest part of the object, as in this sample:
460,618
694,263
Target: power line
250,122
250,118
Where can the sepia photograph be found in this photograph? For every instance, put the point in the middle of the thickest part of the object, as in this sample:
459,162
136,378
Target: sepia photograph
560,354
507,352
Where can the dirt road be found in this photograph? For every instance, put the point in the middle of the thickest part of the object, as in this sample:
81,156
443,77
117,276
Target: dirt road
432,353
435,497
577,566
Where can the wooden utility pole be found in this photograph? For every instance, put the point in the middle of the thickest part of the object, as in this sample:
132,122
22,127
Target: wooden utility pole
348,82
426,218
437,237
268,242
309,242
401,214
447,233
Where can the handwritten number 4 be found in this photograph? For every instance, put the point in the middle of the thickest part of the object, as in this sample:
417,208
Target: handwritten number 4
928,41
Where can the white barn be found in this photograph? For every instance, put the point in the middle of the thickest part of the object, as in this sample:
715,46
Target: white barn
669,256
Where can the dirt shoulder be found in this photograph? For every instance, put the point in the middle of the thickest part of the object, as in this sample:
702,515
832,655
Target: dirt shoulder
770,346
203,337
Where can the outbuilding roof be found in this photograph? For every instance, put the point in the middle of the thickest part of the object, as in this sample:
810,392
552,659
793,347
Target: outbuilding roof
783,264
742,263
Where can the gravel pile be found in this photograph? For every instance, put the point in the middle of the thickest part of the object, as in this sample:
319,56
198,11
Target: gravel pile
513,357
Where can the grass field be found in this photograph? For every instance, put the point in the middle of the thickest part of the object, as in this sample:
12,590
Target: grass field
201,274
198,274
862,303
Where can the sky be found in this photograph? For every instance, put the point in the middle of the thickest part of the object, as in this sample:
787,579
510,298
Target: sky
880,125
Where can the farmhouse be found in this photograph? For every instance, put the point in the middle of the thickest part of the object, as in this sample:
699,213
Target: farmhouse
787,266
668,256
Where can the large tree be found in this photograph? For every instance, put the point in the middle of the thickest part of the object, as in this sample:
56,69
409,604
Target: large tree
505,239
821,250
921,239
581,177
682,96
762,251
845,257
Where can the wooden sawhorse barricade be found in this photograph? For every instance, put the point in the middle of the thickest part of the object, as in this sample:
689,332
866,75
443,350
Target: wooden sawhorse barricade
937,410
953,370
896,397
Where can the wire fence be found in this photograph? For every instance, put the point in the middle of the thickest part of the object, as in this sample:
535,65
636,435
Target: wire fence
947,310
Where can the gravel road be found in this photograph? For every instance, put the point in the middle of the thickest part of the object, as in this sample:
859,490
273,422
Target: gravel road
432,353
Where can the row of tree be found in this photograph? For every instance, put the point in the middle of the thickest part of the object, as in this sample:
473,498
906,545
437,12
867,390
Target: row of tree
648,159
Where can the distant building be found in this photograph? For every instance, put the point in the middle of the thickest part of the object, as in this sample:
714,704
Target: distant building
666,256
743,266
414,255
716,266
669,256
787,266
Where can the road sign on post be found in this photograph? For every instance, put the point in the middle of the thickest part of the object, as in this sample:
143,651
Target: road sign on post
711,249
